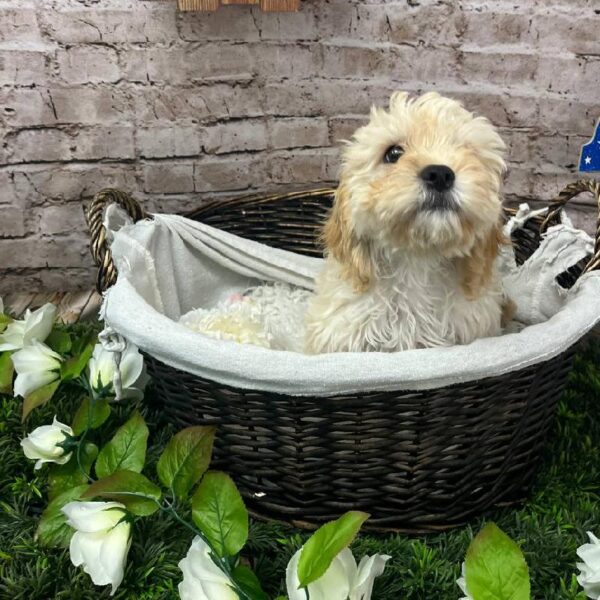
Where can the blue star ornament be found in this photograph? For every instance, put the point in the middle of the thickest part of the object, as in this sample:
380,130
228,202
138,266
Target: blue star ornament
590,153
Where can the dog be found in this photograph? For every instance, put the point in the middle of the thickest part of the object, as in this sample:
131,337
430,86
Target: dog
412,239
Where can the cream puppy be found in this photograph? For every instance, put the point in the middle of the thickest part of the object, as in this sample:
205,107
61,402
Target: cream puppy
413,236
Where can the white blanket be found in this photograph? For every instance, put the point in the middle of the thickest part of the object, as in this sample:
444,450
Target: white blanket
170,265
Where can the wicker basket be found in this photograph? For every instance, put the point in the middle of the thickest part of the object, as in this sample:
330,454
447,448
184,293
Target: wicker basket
416,461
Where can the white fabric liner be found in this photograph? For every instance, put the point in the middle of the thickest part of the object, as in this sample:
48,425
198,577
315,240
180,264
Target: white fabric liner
170,265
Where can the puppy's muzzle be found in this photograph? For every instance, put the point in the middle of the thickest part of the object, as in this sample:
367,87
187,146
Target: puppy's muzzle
438,180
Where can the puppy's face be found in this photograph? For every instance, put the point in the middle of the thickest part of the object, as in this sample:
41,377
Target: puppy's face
423,175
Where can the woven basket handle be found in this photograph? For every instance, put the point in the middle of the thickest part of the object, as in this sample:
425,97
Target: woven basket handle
107,272
574,189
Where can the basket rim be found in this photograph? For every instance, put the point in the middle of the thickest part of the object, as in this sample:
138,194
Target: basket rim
269,370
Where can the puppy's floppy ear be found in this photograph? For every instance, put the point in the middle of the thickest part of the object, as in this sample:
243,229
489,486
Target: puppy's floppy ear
342,243
477,267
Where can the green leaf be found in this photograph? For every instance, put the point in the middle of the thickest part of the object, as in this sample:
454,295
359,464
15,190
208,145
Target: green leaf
72,367
249,583
219,512
495,567
39,397
186,459
59,341
53,530
7,372
99,413
4,321
126,450
326,543
69,475
132,489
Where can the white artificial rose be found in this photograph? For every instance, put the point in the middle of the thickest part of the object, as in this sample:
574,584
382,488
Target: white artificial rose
101,370
43,444
101,540
589,576
462,584
343,580
202,578
36,365
36,325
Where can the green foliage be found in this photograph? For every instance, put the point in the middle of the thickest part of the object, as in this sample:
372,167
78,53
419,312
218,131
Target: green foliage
59,340
219,512
6,373
548,528
327,542
132,489
249,583
74,365
40,397
64,477
186,459
90,414
495,567
126,450
4,321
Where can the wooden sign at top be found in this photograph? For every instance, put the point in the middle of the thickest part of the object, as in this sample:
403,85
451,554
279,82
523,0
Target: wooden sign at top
266,5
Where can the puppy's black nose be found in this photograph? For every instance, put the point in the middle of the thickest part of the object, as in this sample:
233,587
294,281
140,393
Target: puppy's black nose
438,177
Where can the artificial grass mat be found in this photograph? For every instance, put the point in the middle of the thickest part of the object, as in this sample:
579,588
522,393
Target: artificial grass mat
549,528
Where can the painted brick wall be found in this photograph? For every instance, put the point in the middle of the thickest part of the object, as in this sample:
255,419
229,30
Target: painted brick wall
182,108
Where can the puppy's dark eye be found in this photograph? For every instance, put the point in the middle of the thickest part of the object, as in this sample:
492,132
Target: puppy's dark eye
392,154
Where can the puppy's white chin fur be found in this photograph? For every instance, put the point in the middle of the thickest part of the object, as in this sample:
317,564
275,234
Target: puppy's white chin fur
398,276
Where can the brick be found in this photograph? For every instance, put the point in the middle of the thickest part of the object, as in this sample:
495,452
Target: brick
90,106
435,25
40,145
355,61
190,105
167,178
567,115
297,133
281,61
154,23
70,182
72,104
232,173
492,28
59,220
298,26
180,66
562,151
48,145
304,167
20,67
501,68
8,194
343,127
566,75
219,25
88,64
577,33
168,141
42,253
12,222
97,143
26,107
236,136
19,25
48,279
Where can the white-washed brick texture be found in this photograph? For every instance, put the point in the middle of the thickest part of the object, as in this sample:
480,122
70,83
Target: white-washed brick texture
182,108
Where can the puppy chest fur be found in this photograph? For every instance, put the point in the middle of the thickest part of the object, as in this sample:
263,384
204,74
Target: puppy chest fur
415,301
